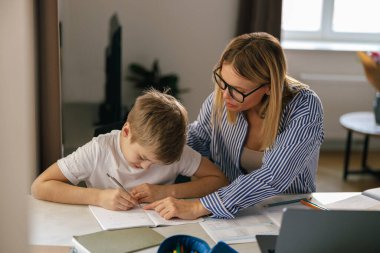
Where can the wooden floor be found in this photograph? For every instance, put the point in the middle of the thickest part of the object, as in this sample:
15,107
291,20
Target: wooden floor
330,173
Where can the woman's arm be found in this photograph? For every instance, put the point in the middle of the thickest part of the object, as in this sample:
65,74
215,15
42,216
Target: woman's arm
199,133
53,186
208,178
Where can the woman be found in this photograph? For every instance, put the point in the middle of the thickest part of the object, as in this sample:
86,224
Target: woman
263,129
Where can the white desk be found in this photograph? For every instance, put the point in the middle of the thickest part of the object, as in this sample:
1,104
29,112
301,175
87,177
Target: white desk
55,224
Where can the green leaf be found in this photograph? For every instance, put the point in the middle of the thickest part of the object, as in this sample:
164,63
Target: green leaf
144,78
138,69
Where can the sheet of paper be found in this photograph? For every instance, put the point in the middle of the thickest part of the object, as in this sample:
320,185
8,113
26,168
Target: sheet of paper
137,217
358,202
275,212
242,229
109,219
325,198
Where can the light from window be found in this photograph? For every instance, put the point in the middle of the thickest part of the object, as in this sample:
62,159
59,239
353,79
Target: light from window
352,16
331,20
301,15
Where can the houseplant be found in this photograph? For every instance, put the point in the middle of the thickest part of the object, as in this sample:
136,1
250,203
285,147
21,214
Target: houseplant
371,65
146,78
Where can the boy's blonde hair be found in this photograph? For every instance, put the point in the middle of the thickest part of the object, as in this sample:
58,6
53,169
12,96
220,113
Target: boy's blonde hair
159,122
259,57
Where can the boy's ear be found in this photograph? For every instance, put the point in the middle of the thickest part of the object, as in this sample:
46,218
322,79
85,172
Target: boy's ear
126,130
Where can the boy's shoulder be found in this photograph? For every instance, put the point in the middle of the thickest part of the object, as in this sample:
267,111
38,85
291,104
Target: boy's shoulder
107,139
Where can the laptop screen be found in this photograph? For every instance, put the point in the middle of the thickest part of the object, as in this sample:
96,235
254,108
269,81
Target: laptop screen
329,231
315,231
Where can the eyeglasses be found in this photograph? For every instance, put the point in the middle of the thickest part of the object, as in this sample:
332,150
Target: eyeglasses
234,93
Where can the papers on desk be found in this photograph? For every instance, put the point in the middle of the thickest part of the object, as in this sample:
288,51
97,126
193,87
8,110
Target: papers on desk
137,217
251,221
242,229
367,200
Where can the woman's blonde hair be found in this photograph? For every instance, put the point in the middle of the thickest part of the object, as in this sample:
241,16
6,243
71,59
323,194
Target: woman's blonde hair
260,58
158,121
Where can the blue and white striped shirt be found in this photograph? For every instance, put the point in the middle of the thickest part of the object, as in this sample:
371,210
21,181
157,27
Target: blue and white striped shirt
289,166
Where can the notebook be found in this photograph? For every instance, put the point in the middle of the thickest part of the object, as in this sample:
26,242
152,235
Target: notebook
367,200
137,217
117,241
315,231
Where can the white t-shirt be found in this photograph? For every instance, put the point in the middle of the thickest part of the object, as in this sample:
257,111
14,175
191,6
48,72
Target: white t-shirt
91,163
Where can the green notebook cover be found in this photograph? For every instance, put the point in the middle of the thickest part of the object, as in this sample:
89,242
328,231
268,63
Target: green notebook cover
117,241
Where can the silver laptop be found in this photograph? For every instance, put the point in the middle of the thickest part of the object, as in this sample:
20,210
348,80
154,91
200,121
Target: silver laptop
309,231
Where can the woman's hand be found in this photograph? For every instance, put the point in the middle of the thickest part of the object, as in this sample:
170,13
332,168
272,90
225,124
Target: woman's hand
185,209
116,199
147,193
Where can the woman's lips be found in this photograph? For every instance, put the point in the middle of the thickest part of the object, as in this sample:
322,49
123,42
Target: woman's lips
229,105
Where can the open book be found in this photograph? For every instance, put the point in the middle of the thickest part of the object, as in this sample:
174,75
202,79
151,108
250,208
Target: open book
137,217
367,200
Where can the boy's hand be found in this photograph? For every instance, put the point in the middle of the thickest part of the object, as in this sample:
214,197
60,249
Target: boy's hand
185,209
147,193
116,199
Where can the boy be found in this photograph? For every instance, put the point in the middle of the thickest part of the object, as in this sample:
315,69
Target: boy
145,157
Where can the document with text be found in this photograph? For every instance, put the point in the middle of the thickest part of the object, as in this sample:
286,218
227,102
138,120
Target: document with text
264,218
137,217
244,228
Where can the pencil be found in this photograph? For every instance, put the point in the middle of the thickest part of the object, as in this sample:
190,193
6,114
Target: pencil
286,202
116,182
312,205
182,250
120,185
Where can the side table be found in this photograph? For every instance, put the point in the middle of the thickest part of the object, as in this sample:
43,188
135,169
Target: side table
362,123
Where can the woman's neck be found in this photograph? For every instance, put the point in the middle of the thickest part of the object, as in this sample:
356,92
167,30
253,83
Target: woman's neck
254,112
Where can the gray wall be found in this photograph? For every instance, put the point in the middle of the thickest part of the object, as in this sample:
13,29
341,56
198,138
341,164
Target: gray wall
338,78
188,38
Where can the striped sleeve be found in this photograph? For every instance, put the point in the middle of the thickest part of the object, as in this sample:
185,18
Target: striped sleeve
293,156
199,133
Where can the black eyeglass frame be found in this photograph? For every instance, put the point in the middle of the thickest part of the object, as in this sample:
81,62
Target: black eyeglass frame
230,88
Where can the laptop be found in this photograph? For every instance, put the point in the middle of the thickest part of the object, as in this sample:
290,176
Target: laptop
315,231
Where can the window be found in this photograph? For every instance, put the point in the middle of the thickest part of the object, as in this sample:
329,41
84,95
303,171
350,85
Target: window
331,20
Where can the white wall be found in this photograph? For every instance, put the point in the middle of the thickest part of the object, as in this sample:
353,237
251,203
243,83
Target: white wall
186,36
338,78
18,120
